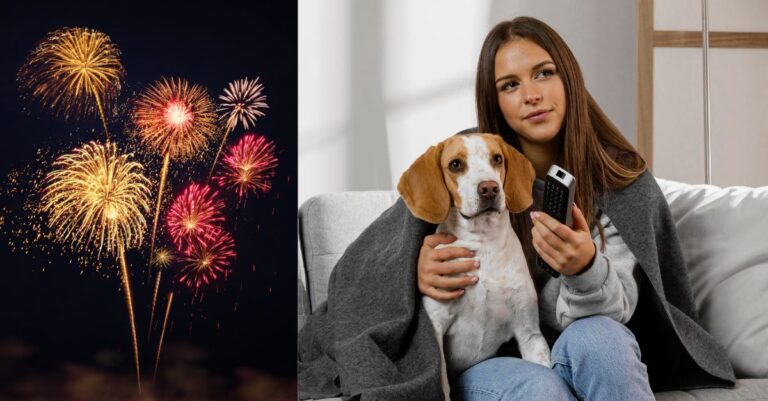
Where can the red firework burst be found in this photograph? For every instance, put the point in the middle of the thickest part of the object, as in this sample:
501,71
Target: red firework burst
194,216
175,118
207,261
249,166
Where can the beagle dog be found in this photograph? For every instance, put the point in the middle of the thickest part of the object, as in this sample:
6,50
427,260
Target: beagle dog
467,185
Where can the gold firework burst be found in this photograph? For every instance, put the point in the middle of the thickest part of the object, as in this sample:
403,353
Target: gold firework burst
74,72
97,197
175,118
162,258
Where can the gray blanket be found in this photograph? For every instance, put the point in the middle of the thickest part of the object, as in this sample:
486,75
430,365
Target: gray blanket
372,339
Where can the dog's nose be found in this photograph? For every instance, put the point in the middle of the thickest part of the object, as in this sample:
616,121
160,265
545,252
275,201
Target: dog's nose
488,189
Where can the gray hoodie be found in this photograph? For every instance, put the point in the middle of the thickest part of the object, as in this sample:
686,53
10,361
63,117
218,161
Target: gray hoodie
608,287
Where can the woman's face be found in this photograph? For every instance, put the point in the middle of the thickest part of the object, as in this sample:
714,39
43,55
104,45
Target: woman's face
531,93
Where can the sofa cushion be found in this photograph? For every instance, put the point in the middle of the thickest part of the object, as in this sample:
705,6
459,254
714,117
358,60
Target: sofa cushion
328,223
724,235
722,232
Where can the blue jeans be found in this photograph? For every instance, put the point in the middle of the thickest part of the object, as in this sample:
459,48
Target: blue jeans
595,358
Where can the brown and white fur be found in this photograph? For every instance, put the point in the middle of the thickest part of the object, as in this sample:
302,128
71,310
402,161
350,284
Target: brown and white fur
468,184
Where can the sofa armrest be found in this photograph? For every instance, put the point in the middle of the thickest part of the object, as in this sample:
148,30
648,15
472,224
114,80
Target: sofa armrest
328,223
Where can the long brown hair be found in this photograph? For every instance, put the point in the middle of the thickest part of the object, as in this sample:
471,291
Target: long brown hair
591,147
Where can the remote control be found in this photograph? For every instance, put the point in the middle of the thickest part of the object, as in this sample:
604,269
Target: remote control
559,188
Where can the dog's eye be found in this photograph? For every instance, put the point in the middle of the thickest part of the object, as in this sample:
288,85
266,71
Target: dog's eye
497,159
456,165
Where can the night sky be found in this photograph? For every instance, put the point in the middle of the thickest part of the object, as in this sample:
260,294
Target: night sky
61,314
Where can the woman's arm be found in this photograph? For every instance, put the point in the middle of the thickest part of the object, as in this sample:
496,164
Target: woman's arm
608,287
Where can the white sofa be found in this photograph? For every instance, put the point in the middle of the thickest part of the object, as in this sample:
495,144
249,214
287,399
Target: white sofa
723,232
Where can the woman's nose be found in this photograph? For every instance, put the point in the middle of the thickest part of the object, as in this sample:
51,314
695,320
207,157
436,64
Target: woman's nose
532,96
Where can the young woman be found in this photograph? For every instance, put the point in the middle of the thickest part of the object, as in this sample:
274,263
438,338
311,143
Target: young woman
530,90
620,319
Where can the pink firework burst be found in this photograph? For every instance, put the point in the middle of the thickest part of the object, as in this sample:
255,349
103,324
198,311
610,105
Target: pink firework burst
249,166
194,216
207,261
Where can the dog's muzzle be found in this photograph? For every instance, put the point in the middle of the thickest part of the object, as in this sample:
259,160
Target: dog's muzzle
487,192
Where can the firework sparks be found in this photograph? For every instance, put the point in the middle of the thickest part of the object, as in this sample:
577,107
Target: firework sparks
175,117
162,334
249,166
163,175
242,102
176,120
74,72
207,261
126,281
163,258
194,216
96,197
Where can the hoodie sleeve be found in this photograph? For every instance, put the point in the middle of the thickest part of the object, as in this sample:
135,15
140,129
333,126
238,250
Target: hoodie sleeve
608,287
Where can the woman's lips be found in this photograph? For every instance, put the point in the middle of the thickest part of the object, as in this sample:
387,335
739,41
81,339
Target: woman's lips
539,117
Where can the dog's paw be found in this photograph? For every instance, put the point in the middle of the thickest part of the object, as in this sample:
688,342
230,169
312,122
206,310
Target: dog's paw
543,359
540,357
537,351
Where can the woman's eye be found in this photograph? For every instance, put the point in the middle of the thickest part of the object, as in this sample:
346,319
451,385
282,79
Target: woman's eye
509,86
546,73
455,165
497,159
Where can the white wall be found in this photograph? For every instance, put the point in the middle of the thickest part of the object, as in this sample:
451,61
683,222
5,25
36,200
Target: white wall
737,88
380,81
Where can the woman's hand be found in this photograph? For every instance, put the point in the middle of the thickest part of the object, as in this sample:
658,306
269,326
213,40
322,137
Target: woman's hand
435,265
569,251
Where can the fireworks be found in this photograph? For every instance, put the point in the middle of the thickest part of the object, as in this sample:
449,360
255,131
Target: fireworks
249,166
126,281
74,72
242,102
207,260
175,118
97,197
194,216
162,334
95,200
162,258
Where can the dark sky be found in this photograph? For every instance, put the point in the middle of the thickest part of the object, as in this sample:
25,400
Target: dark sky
71,314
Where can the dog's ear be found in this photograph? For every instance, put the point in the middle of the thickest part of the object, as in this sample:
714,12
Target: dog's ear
423,188
518,177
